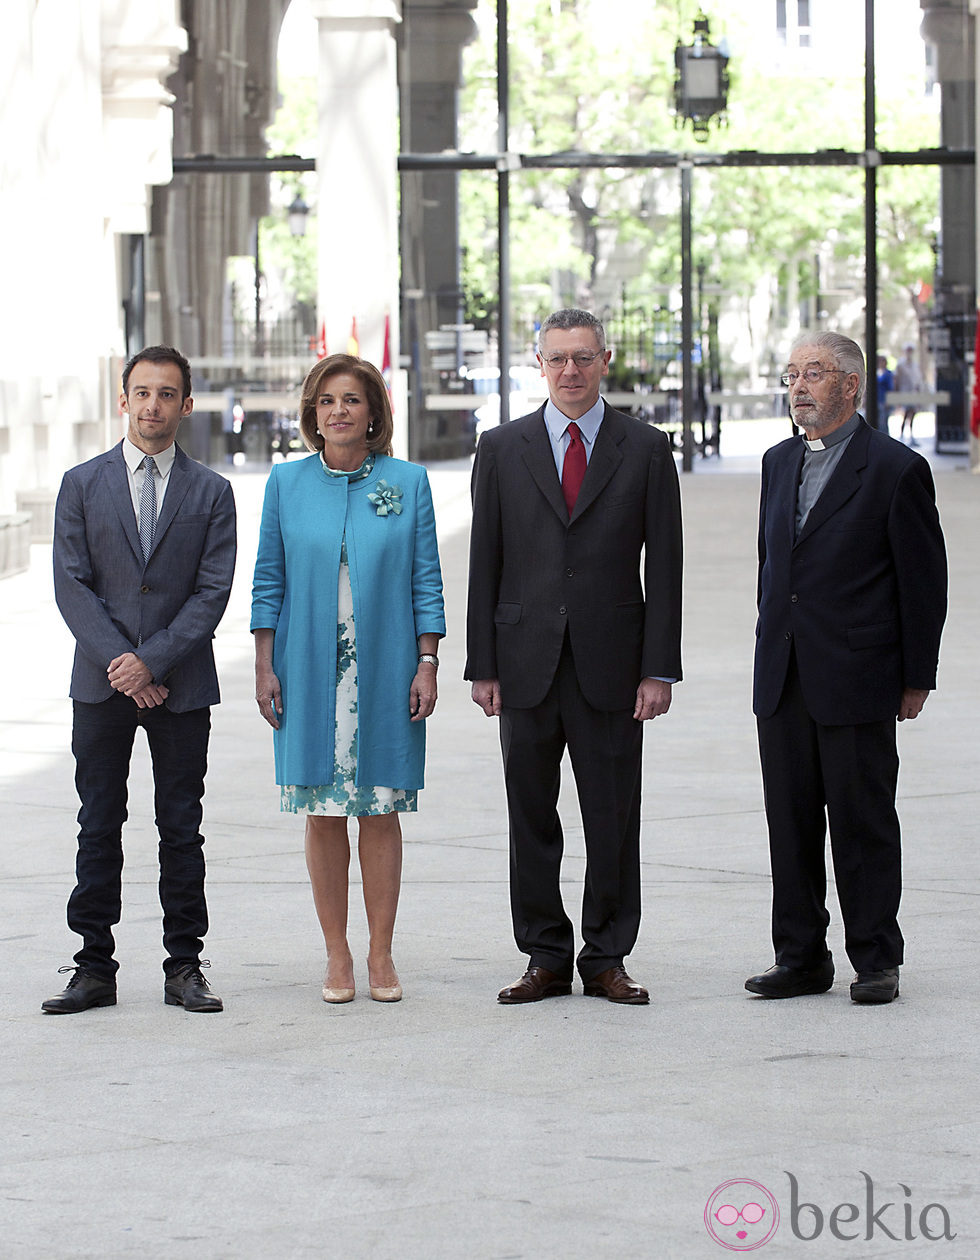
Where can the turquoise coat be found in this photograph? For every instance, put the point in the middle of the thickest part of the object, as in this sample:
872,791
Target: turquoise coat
396,584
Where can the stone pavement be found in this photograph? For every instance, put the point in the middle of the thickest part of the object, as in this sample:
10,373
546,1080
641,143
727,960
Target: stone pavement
449,1126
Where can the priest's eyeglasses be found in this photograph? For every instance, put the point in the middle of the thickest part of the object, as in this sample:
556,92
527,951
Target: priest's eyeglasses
811,375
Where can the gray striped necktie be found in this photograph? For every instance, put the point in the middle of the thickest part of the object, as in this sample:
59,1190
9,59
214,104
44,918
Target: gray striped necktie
148,505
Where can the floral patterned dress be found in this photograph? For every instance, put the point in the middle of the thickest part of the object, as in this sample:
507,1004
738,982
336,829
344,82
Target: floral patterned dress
343,797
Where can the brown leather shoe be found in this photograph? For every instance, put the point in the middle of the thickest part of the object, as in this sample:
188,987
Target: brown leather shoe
616,986
535,984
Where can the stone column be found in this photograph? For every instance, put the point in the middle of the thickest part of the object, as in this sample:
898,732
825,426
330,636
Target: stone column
433,37
357,163
84,130
140,49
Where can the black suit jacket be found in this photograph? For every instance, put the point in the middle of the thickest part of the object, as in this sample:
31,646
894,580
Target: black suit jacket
861,593
535,574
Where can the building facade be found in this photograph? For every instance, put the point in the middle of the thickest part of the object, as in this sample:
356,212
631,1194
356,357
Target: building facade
105,249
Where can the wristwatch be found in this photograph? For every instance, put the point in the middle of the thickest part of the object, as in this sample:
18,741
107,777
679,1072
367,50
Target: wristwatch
429,659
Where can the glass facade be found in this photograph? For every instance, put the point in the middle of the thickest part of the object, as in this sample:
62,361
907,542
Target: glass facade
557,173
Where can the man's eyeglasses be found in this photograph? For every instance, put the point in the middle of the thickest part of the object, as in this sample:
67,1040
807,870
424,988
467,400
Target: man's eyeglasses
558,361
811,375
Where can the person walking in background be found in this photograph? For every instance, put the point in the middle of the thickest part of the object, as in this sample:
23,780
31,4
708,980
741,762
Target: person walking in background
852,601
886,383
573,640
908,380
144,555
347,614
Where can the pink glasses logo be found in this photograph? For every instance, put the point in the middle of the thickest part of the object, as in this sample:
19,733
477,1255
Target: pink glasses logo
741,1215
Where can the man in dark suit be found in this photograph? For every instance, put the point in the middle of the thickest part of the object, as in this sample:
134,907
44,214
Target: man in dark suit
852,600
144,554
570,649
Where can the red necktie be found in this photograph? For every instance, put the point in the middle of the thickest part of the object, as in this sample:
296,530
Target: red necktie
573,468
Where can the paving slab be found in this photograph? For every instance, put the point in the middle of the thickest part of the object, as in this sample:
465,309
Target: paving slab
448,1126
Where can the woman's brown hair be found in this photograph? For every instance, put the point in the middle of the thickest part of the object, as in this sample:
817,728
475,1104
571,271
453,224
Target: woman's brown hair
382,425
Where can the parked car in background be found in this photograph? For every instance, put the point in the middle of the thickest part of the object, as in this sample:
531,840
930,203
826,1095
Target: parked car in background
528,390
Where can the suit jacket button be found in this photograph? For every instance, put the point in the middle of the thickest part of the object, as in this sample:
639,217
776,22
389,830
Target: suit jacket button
569,573
794,599
562,610
788,634
144,590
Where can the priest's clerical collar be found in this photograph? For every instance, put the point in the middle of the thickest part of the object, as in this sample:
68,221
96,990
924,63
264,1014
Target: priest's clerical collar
838,435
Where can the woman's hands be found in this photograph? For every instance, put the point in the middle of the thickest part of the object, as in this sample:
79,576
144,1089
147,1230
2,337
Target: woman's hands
268,696
268,693
423,691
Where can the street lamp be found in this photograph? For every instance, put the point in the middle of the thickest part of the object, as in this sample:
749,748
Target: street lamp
296,216
701,85
700,93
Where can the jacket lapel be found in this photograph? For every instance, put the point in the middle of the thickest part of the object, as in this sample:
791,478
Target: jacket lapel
606,458
120,495
177,485
540,463
785,488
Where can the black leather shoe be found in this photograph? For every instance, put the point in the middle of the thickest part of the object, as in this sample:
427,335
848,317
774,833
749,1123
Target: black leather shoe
788,982
82,991
874,988
189,989
615,985
536,984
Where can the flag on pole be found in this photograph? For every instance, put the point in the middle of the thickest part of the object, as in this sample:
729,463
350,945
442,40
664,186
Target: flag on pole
319,343
975,407
352,346
386,353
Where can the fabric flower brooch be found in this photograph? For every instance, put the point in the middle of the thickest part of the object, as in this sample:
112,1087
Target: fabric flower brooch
386,499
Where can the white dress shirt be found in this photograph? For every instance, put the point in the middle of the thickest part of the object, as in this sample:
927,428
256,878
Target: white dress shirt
164,462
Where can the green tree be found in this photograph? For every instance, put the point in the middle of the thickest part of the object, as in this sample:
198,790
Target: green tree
754,228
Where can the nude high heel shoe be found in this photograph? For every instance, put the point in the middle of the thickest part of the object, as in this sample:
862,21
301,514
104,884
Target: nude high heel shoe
336,995
386,993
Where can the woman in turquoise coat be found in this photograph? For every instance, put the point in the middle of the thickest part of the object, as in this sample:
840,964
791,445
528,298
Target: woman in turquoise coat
347,614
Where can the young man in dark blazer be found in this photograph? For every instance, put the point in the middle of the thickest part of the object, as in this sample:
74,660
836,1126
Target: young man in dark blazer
572,505
144,554
852,600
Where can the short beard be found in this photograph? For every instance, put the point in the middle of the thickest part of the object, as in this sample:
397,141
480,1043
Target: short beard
825,416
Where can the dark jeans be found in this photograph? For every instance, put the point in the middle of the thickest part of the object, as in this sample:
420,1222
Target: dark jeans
102,743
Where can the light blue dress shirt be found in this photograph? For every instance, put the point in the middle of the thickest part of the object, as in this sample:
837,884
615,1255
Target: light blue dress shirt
556,422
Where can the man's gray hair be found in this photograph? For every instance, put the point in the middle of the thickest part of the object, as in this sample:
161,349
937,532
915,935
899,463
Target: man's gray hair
572,317
845,353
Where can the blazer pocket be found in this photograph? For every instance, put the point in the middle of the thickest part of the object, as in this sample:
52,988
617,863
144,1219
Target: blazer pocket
507,614
628,620
878,635
192,518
